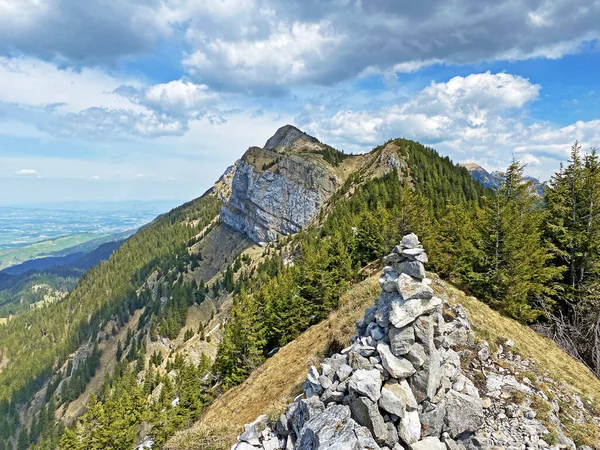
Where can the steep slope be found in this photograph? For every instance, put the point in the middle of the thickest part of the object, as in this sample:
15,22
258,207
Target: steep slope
168,289
36,344
481,175
514,351
278,189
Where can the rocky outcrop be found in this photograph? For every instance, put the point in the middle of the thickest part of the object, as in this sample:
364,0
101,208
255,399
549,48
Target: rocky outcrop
422,383
289,137
399,385
276,192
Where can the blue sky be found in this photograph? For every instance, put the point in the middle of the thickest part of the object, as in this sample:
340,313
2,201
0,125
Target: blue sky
153,99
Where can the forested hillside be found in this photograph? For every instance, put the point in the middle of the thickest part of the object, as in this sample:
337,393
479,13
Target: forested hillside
35,344
533,259
299,282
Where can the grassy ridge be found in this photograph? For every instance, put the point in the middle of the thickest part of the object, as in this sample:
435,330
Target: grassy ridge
280,378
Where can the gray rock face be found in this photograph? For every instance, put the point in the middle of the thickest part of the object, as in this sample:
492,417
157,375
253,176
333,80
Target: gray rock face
265,204
268,201
335,430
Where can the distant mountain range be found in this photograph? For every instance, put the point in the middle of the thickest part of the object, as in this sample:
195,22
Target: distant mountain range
490,180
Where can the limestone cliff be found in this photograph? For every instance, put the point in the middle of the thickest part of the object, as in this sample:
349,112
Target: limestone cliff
278,189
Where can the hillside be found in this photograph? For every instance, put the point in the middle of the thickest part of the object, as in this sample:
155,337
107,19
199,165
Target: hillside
199,300
271,387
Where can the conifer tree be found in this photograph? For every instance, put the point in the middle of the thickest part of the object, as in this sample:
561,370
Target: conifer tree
514,273
573,227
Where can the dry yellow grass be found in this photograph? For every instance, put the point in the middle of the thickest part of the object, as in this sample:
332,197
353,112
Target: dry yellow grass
280,378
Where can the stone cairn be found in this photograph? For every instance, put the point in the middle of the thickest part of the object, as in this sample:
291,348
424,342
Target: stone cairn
399,385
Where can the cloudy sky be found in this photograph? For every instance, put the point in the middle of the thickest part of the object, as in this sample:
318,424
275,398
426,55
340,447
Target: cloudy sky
153,99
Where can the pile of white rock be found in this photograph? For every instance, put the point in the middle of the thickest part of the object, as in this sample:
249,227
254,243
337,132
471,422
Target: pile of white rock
399,385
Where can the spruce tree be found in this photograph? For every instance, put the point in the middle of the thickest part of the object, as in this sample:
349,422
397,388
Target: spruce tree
514,273
573,205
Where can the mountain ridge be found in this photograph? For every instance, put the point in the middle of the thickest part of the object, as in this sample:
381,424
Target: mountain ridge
191,305
491,180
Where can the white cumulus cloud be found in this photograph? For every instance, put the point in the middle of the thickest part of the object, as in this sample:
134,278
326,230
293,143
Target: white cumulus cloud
480,117
27,172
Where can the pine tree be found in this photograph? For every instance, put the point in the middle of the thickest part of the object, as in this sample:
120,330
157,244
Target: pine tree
23,441
515,274
119,350
243,342
573,205
70,441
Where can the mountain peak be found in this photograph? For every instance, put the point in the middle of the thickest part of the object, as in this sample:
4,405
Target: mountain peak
471,166
288,136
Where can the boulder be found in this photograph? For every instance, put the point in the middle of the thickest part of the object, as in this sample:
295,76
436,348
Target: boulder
429,443
417,254
398,368
282,426
426,381
413,268
377,332
387,282
305,410
410,241
332,395
464,413
404,313
392,258
416,355
450,367
334,429
409,428
401,340
356,361
312,386
432,418
325,382
383,307
410,289
270,442
366,383
397,398
366,413
343,372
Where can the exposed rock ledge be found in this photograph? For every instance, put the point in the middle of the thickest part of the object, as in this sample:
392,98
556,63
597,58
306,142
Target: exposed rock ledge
281,199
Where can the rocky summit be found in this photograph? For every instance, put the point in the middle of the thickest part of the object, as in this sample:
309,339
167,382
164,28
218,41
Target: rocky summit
278,189
399,385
